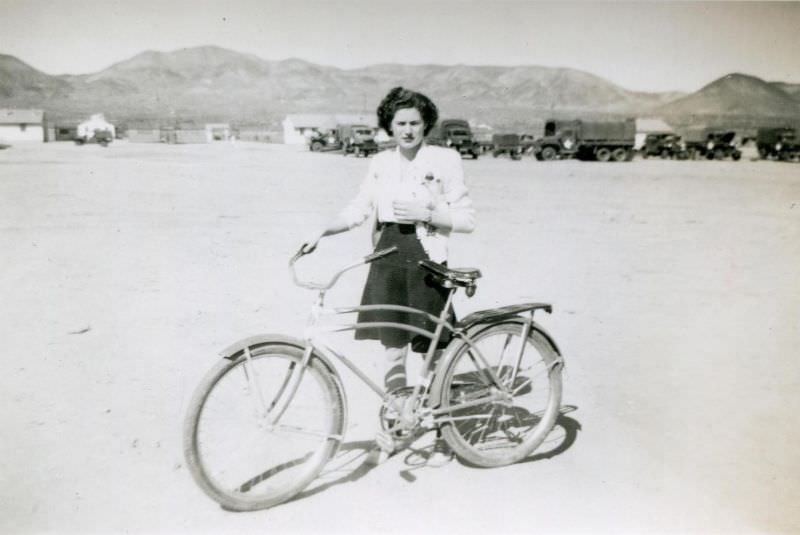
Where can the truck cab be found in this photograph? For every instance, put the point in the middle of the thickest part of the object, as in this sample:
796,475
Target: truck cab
665,145
712,144
780,143
455,134
357,139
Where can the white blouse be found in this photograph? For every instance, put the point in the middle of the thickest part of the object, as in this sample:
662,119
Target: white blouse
434,177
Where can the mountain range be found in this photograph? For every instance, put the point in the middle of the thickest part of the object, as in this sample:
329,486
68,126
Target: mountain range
213,84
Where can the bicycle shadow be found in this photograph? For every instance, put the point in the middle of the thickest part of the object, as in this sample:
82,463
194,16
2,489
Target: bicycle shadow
353,461
356,459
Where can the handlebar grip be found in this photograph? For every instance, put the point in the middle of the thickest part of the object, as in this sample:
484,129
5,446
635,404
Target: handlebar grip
379,254
301,252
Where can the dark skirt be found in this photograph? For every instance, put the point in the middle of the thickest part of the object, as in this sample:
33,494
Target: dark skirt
397,279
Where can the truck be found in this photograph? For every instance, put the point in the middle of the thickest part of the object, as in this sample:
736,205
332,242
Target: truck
95,130
587,140
711,143
324,140
456,134
665,145
507,144
357,139
779,143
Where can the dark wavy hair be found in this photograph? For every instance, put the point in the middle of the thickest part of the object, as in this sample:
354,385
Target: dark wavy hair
400,98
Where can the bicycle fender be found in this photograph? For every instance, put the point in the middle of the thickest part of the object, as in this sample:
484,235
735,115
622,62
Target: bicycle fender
232,351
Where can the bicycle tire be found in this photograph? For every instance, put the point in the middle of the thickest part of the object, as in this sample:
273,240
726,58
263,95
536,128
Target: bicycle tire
280,474
532,411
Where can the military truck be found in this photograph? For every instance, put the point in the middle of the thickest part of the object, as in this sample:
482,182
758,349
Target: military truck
665,145
324,140
711,143
587,140
357,139
778,143
456,134
507,144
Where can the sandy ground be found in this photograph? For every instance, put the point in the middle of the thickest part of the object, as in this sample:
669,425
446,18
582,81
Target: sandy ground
677,306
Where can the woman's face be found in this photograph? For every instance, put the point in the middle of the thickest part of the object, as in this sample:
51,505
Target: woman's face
408,128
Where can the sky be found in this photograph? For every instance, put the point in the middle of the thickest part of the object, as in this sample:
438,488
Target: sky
643,45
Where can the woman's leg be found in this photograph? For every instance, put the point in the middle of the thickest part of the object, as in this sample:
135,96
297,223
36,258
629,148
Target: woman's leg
395,376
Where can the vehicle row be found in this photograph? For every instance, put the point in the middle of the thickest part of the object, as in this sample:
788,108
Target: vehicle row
602,141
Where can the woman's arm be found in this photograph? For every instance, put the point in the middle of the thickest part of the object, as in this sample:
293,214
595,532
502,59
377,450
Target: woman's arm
454,210
355,213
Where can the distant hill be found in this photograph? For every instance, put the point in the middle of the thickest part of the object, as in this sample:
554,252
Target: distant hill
792,89
18,78
737,94
213,84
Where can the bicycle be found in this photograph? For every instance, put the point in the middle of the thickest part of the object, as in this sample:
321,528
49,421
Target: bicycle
495,394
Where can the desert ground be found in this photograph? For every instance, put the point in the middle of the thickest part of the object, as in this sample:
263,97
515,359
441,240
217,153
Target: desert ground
676,296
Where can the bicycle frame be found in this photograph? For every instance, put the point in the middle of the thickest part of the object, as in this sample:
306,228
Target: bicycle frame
315,340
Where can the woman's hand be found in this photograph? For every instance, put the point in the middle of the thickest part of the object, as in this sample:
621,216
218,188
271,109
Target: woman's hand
311,242
411,211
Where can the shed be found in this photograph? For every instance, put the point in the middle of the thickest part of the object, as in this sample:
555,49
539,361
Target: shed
22,125
650,125
297,128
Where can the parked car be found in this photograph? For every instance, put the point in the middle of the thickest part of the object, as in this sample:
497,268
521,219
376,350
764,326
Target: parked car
664,145
506,144
324,140
456,134
778,143
712,144
587,140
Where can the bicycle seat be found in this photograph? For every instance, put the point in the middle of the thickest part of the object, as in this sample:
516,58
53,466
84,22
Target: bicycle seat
458,276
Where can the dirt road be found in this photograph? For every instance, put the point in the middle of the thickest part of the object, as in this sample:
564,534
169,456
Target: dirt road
677,307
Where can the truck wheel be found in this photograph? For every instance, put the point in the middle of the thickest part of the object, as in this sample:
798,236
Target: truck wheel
719,154
549,153
602,154
665,154
316,146
619,154
736,155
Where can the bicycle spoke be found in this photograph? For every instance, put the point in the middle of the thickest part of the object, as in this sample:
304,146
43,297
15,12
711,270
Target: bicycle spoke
513,421
291,429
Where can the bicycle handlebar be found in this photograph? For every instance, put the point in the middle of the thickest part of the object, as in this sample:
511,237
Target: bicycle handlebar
379,254
319,286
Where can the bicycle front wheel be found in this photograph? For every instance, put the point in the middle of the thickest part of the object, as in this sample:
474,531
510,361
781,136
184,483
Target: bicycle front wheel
235,454
499,432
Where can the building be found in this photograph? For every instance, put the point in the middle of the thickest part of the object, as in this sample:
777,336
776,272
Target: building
650,125
297,128
22,125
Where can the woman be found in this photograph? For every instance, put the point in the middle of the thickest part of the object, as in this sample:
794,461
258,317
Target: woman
418,197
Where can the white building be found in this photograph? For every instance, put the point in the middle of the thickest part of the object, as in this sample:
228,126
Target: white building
22,125
649,125
297,128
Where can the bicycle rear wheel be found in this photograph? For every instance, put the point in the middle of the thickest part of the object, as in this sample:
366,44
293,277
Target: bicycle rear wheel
502,432
232,452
